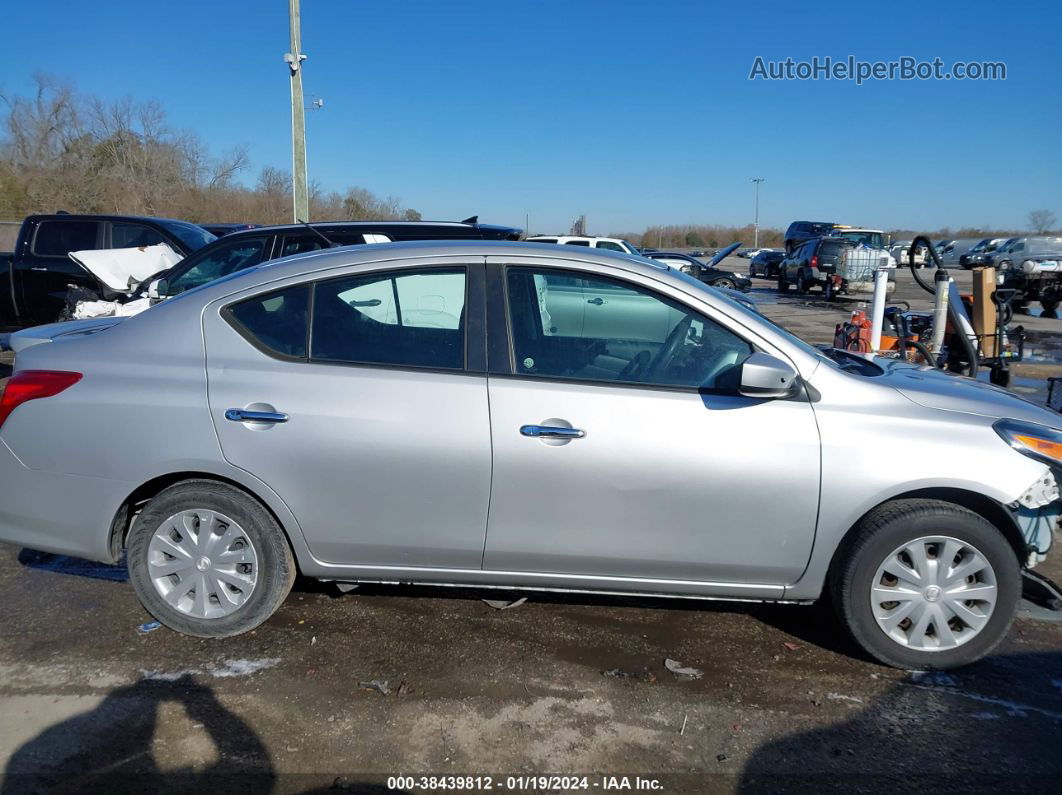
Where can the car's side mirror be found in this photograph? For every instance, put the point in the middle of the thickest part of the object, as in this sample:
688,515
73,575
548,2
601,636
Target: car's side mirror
766,376
157,289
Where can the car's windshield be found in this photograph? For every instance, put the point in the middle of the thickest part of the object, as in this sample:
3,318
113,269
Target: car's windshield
195,237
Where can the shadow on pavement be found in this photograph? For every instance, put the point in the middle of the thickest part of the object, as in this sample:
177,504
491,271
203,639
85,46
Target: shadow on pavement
994,724
62,564
111,748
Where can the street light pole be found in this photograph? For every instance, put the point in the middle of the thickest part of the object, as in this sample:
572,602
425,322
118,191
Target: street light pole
756,224
294,59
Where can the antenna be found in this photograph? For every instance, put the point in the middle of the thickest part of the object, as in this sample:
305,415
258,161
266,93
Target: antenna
318,233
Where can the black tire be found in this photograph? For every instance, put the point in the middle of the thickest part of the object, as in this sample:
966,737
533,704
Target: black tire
891,526
275,564
783,285
829,291
801,283
725,284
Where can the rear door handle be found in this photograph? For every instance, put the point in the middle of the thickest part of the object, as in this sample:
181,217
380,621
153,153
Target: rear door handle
551,432
595,301
243,415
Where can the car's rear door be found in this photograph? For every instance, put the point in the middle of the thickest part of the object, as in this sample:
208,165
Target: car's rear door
659,478
383,454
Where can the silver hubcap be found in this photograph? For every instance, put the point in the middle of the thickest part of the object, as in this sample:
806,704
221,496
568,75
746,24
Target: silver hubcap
202,563
933,594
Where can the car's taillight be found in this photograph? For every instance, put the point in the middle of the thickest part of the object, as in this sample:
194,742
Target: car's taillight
814,260
33,384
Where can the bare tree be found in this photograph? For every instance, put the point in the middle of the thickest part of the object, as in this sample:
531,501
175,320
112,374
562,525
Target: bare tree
63,150
1041,221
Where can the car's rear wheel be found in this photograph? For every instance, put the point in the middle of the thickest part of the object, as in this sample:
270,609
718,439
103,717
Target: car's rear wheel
783,284
926,584
206,559
829,290
801,282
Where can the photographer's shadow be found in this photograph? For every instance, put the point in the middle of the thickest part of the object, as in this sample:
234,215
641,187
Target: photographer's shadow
112,746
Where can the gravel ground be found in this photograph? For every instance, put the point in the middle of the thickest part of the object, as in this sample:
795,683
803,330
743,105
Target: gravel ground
564,685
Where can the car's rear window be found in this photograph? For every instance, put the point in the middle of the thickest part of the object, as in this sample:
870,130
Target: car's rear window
831,249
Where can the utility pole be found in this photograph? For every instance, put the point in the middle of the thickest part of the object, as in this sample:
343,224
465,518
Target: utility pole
294,59
756,224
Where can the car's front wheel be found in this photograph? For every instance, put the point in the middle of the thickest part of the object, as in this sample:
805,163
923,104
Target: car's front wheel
207,559
725,284
926,584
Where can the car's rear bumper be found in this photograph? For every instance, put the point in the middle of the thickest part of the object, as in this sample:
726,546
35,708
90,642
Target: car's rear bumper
64,514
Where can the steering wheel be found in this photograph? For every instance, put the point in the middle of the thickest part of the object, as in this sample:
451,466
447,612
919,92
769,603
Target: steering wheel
635,367
671,345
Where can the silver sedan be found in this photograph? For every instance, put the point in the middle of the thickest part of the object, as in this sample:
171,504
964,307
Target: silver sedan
521,416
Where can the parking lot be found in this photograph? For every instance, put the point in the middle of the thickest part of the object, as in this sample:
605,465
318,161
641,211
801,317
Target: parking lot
344,690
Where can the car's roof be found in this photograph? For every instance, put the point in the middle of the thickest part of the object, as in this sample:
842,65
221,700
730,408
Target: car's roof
576,237
363,224
108,217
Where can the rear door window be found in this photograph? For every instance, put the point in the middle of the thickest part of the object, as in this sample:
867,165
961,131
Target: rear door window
577,243
608,244
397,318
59,238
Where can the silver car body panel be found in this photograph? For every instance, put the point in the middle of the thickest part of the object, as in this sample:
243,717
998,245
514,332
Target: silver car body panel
670,491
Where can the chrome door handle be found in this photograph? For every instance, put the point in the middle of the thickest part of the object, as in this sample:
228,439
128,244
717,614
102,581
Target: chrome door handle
551,432
595,301
243,415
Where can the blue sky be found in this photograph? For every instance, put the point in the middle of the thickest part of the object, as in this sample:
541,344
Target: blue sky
634,113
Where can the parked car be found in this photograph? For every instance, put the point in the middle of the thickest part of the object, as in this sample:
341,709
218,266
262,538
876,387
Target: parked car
606,243
993,258
900,252
951,256
833,263
220,230
705,272
748,253
33,288
976,255
766,263
331,414
240,250
1033,267
799,232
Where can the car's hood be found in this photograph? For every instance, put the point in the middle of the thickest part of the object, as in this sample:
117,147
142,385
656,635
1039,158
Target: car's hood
939,390
28,337
724,253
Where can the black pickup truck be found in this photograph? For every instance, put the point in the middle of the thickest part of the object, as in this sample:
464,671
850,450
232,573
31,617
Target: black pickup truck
34,287
35,278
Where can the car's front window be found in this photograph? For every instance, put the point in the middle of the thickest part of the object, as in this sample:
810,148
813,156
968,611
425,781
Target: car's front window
584,327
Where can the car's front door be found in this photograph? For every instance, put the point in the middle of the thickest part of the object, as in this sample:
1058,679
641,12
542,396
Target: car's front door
376,431
621,449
